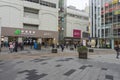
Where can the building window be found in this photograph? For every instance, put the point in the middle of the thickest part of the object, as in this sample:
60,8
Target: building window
49,4
35,1
31,13
30,26
44,3
77,16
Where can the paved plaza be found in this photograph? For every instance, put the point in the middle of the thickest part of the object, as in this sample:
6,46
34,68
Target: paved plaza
33,65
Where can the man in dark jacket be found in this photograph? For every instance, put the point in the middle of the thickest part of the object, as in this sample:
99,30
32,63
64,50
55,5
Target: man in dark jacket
16,46
117,51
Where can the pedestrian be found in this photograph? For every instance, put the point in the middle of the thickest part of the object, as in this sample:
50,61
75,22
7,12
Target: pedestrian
117,49
53,46
62,47
11,47
16,46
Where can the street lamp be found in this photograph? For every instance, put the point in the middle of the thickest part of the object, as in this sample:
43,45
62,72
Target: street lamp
0,34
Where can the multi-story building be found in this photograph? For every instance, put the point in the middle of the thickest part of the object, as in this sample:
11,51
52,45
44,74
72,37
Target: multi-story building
110,23
95,19
104,15
29,20
76,27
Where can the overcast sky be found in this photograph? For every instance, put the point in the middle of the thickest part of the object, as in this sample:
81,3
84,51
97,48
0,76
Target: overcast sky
79,4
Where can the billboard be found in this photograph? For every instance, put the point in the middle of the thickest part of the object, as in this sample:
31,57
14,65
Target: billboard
76,33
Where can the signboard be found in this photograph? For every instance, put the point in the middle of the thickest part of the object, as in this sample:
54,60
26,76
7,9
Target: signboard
25,32
117,12
77,33
17,32
115,1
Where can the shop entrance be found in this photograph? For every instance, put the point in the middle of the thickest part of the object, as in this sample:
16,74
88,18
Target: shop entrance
117,42
29,40
11,38
47,41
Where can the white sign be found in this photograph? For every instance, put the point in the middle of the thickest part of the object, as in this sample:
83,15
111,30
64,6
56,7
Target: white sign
27,32
47,33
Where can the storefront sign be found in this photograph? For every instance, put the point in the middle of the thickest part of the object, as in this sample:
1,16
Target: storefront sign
77,33
117,12
24,32
106,4
17,32
115,1
27,32
46,34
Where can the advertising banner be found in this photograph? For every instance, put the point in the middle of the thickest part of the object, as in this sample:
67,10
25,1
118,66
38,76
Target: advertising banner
77,33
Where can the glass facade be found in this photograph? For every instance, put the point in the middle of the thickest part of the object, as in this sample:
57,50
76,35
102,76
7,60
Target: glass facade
110,22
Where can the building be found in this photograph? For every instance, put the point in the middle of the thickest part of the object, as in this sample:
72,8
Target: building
105,22
29,20
95,20
76,27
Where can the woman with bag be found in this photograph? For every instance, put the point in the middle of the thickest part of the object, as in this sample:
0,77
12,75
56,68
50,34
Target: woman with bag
11,47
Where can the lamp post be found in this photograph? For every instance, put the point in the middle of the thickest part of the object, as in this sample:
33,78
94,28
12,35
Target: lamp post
0,34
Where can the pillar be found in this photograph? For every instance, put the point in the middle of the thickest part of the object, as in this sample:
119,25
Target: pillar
112,43
39,40
98,43
54,40
20,40
5,39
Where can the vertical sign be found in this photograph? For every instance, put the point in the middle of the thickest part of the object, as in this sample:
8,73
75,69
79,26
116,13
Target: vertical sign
77,33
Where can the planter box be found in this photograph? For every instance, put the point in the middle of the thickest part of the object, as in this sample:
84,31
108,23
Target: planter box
54,50
91,50
83,55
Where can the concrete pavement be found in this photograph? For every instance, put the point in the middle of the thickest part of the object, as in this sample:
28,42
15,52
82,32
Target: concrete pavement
44,65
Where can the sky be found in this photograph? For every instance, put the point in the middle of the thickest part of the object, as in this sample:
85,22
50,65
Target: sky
79,4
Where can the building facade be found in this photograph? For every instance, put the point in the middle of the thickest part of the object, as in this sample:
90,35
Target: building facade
76,27
104,17
26,20
95,21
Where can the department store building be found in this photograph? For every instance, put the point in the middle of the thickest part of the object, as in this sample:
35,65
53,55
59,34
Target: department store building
26,20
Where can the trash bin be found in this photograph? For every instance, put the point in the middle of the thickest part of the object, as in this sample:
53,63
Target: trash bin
54,50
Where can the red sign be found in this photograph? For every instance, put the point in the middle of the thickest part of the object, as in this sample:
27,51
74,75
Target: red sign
77,33
106,4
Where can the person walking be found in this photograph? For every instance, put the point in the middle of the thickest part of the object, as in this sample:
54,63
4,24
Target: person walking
11,47
117,49
62,47
16,46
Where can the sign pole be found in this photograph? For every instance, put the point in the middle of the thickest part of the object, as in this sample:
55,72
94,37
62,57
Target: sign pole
0,34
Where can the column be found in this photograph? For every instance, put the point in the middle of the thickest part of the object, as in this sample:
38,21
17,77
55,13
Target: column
98,43
20,40
5,39
39,40
54,40
112,43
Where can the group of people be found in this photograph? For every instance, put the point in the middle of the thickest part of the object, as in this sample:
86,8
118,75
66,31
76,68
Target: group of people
13,46
117,48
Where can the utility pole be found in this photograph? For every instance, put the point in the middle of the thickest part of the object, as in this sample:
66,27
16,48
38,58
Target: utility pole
0,33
